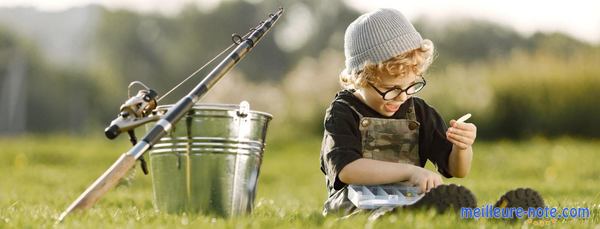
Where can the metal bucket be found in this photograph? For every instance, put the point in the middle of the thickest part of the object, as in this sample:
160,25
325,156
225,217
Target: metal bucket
210,161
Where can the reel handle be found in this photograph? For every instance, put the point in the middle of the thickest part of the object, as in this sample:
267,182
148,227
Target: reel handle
112,132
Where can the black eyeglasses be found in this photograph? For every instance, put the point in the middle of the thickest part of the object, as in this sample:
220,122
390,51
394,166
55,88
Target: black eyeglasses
396,91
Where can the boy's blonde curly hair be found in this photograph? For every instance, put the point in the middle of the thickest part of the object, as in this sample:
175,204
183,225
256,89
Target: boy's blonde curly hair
416,61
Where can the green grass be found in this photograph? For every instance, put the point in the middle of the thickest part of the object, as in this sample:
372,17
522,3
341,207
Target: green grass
40,176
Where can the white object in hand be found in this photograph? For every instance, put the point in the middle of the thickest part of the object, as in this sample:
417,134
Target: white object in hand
464,118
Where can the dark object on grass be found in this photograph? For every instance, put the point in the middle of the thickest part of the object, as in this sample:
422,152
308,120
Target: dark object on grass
524,198
447,197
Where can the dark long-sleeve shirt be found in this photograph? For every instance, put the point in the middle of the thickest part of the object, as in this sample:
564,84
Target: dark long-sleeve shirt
341,127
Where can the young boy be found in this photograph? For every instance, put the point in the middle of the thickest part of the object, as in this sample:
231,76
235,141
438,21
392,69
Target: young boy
378,132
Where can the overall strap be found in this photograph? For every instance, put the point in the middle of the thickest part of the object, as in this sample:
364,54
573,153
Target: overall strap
411,114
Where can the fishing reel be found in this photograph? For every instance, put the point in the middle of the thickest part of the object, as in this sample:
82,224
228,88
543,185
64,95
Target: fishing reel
136,111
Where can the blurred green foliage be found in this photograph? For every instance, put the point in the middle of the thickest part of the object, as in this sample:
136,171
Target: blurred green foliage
515,86
55,98
543,91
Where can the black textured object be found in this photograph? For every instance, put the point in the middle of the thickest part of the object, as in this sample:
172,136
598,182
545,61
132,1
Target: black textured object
520,197
446,196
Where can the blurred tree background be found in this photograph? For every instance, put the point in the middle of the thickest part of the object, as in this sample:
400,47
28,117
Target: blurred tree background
516,86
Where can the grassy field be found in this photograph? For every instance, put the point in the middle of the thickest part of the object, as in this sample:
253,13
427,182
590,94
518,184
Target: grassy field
40,176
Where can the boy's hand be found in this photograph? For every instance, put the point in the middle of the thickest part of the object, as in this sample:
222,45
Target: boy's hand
424,179
461,134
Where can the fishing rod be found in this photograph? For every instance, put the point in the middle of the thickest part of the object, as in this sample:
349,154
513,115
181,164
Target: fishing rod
138,110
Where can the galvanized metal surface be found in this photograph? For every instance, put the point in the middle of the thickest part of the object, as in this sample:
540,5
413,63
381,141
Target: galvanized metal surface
210,161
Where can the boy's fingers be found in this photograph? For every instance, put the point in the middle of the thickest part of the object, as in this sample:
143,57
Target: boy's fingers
462,132
464,126
462,139
457,137
457,142
462,136
438,182
452,122
430,185
423,186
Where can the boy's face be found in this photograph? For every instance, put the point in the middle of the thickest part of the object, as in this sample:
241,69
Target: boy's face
373,99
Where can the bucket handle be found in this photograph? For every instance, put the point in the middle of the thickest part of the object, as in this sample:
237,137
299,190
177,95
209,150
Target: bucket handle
244,109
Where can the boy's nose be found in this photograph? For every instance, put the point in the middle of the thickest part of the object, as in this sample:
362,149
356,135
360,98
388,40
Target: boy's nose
401,97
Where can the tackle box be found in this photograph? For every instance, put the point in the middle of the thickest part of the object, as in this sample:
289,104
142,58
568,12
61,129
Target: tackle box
376,196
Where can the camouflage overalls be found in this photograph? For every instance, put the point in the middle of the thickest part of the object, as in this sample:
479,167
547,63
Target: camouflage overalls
394,140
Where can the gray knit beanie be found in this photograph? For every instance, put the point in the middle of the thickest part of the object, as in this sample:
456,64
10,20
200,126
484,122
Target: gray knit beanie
378,36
